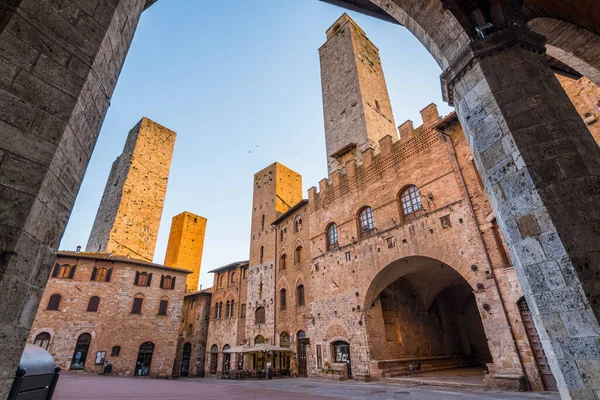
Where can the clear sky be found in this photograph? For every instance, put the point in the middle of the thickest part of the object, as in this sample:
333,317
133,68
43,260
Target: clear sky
239,82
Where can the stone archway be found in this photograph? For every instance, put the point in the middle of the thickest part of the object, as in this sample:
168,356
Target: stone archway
420,310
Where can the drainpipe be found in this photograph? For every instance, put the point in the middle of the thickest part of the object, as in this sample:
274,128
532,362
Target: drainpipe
454,158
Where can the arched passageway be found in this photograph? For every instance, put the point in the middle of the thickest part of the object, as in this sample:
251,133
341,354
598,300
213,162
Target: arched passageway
422,312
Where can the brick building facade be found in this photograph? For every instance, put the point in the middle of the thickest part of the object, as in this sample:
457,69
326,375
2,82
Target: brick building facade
99,307
397,257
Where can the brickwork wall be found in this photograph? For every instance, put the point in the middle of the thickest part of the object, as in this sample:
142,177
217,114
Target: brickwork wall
585,96
129,215
295,317
357,107
423,159
196,312
113,324
185,246
229,284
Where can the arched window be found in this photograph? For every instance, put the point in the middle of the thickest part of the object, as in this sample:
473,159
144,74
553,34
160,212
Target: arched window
262,223
300,335
54,302
231,312
66,272
259,340
298,255
262,254
243,311
163,306
190,329
101,274
410,199
167,282
282,262
283,299
232,276
366,222
42,340
245,273
298,225
300,295
332,236
143,279
115,351
219,310
284,340
222,280
93,304
259,315
227,310
138,301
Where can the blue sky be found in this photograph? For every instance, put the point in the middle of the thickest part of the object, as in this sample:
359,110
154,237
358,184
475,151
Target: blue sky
239,82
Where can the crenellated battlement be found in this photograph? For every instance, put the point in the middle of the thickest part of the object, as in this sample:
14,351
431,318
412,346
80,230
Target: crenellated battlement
370,165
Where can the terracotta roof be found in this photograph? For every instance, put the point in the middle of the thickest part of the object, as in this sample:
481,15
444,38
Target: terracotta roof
203,291
229,266
112,257
290,211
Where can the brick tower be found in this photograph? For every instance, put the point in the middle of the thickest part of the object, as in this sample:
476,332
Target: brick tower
186,242
276,190
356,104
129,214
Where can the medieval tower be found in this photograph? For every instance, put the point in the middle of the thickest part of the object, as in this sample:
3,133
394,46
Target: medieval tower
356,103
186,243
129,214
276,190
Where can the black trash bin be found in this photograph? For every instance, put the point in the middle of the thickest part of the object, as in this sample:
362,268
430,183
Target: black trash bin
36,376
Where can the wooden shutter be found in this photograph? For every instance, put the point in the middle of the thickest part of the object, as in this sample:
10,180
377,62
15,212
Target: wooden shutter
162,281
172,283
94,273
149,280
108,274
72,274
137,277
56,270
137,306
162,310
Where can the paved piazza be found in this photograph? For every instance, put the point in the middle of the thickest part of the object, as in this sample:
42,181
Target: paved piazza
83,386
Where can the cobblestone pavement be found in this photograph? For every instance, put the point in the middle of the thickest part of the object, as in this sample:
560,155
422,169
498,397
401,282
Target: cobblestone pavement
80,386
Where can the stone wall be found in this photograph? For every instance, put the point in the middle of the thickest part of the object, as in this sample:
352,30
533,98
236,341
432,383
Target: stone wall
196,312
129,215
113,324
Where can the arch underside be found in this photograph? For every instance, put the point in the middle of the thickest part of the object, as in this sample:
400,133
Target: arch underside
420,308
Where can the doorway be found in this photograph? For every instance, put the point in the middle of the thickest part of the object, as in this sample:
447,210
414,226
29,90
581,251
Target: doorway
226,358
341,354
185,359
144,359
303,343
214,358
81,350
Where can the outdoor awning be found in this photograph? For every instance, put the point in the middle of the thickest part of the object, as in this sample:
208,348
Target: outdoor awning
256,349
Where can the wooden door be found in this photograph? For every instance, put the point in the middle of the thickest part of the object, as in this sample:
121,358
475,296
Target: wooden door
302,367
536,346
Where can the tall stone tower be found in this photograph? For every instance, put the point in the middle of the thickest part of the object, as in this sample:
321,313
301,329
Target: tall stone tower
186,243
276,190
129,214
356,104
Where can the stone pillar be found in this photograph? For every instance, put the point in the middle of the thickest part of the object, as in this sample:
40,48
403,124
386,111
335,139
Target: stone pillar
59,64
540,166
